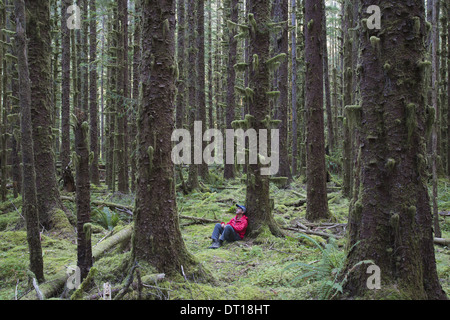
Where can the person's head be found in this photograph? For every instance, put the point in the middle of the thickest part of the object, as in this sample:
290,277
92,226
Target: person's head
240,209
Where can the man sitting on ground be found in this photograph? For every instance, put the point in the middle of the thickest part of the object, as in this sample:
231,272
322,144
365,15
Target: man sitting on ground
232,231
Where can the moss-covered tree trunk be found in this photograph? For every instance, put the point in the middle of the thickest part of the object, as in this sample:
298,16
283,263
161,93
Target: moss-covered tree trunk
317,203
258,202
201,84
83,194
326,77
135,91
39,53
282,85
294,87
181,56
390,221
448,90
347,98
65,86
122,87
233,14
435,134
29,198
193,182
93,105
157,237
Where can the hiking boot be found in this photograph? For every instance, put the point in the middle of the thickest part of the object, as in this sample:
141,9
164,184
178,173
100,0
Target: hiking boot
215,244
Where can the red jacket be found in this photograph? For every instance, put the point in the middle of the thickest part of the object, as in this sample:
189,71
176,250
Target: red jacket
240,226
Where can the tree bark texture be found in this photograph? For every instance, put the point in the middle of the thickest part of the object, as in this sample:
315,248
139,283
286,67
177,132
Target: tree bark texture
259,204
157,238
29,197
317,204
390,220
39,50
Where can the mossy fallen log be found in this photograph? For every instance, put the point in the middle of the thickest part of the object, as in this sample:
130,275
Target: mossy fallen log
131,208
51,287
442,241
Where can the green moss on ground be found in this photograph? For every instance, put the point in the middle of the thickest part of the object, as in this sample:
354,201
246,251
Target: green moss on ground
259,268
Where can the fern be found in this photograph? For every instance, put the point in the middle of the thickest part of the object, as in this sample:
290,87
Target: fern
106,218
328,271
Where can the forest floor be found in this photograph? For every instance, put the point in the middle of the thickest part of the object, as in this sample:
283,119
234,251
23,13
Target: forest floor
297,266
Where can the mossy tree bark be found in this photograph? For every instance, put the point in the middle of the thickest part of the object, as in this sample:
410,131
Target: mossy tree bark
193,182
29,198
326,77
282,85
181,56
122,87
317,203
201,85
448,90
258,202
93,105
135,91
390,221
294,86
83,194
39,49
157,237
232,15
347,97
65,85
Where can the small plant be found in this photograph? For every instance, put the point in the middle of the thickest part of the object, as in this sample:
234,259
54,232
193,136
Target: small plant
106,218
328,270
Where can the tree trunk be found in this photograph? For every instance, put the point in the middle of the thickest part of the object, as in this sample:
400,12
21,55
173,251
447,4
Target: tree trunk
181,56
283,47
38,31
122,86
294,87
192,92
390,221
136,83
448,91
83,194
434,101
258,203
232,6
93,105
326,77
157,238
317,204
65,85
201,98
29,198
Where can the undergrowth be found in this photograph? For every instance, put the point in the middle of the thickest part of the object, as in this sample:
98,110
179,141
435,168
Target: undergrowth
296,266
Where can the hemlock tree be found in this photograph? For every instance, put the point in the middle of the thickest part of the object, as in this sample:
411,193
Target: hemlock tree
30,207
157,237
65,85
258,202
39,53
83,193
233,14
390,220
317,203
93,105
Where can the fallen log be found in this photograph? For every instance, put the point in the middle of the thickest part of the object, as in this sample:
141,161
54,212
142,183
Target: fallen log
199,219
321,234
51,287
442,241
131,208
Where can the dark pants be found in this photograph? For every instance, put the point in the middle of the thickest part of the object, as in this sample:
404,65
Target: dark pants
226,233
